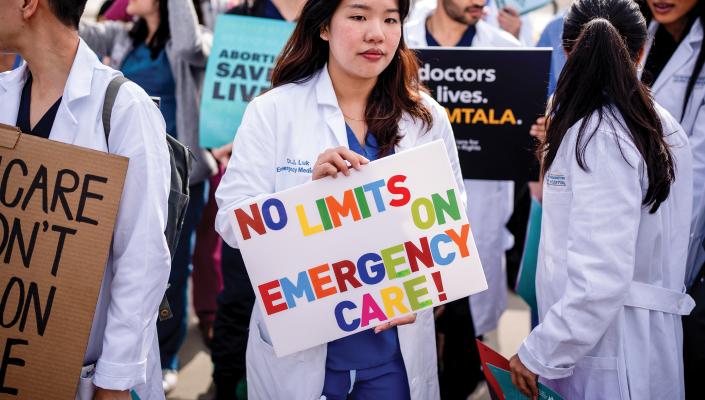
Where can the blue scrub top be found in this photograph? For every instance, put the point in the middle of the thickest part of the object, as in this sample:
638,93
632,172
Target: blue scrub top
18,61
552,36
364,349
465,40
271,11
156,78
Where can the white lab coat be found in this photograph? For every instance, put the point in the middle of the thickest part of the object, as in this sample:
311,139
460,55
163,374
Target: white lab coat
123,340
669,92
300,121
609,282
490,203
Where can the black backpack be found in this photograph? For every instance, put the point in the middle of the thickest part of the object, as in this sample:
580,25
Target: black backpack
180,160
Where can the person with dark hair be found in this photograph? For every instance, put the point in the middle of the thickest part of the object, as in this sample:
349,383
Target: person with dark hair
169,64
103,9
459,23
347,69
58,93
617,201
673,67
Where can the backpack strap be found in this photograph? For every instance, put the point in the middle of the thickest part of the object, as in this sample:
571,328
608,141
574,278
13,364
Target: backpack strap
110,97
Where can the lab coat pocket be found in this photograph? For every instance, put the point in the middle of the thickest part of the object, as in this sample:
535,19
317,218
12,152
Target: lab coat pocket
597,378
270,374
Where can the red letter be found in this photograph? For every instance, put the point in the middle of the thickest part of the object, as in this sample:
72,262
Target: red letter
345,271
400,190
414,254
268,298
254,221
317,281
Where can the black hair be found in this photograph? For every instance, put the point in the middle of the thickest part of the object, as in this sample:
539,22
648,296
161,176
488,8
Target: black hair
697,12
603,39
139,31
105,7
68,11
156,44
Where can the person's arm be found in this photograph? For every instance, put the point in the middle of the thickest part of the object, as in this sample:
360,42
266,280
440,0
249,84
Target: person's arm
250,172
101,36
118,11
604,221
188,40
140,256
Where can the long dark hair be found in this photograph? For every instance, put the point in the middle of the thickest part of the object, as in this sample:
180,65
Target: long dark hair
156,44
697,12
603,39
398,87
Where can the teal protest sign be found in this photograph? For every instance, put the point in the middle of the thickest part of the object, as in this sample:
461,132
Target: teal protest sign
526,281
523,6
239,68
510,392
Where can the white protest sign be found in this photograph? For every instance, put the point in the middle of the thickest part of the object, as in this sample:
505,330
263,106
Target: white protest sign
337,256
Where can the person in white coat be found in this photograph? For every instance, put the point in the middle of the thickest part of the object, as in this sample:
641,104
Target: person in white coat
617,200
344,85
490,203
507,19
673,66
459,23
67,83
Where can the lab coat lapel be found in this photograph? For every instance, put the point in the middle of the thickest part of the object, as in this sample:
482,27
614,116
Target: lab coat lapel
328,105
78,86
682,56
11,85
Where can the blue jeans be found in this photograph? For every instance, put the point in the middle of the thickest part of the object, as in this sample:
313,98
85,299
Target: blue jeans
387,381
172,332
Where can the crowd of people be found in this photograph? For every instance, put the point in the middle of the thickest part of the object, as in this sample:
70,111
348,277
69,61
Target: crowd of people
619,282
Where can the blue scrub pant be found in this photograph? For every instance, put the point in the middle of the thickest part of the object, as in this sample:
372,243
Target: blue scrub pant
387,381
172,332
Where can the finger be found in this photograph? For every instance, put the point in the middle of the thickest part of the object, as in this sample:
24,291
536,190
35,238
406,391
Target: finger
353,158
513,375
531,380
383,327
323,170
522,386
338,162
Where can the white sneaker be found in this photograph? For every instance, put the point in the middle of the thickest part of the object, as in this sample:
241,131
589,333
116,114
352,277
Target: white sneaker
169,379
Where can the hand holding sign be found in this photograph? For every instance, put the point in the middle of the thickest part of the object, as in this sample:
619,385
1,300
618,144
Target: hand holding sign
337,256
332,161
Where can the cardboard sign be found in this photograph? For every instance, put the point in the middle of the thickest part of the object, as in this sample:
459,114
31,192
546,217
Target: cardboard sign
239,68
58,205
492,98
522,6
337,256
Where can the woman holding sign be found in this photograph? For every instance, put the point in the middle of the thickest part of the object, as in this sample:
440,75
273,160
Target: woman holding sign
345,92
617,200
